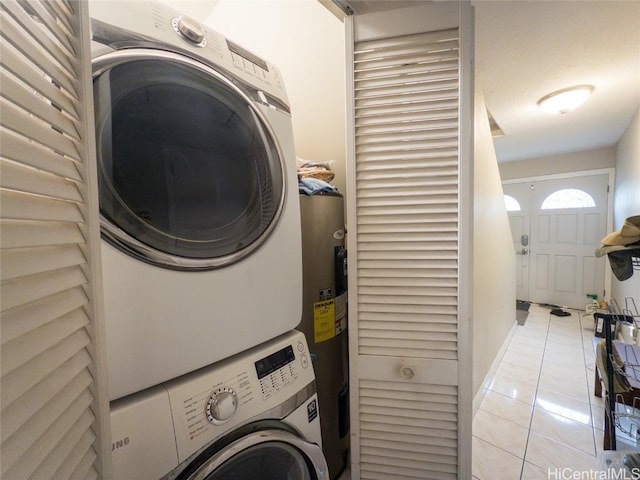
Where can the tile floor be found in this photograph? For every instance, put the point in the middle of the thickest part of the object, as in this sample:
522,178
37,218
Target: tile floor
539,411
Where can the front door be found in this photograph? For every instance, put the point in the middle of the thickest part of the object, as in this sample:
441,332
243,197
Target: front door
566,219
520,220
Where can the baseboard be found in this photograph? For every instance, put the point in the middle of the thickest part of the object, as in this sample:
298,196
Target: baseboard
479,396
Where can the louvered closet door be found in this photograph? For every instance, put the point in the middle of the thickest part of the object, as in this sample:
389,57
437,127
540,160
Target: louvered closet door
53,404
405,255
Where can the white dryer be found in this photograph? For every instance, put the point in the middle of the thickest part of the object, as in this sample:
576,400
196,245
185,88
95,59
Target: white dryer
198,195
251,416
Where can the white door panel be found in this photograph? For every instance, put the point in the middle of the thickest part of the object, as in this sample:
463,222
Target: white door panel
562,267
520,221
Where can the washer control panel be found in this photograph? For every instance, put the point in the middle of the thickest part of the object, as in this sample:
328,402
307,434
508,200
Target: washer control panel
212,401
276,371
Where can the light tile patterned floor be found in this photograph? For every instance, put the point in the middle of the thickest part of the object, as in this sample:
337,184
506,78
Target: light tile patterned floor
538,413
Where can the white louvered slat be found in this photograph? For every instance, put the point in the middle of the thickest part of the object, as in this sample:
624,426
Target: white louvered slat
404,246
419,330
418,126
39,35
382,85
61,11
20,320
73,419
20,380
31,50
435,158
18,292
76,456
24,206
31,127
15,92
408,430
422,88
52,394
402,107
16,234
404,136
19,351
21,262
79,434
417,44
58,26
408,145
29,180
59,384
85,469
438,111
38,425
365,47
411,101
406,192
12,61
25,152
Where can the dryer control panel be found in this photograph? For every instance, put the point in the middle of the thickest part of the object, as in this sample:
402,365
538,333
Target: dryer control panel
210,402
154,24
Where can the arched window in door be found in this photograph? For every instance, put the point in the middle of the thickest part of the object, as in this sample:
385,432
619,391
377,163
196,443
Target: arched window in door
568,198
512,204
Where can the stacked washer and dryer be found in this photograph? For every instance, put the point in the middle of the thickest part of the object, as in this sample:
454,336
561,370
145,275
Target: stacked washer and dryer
201,254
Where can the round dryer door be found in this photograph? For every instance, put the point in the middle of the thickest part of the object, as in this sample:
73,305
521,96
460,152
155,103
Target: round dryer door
268,455
190,173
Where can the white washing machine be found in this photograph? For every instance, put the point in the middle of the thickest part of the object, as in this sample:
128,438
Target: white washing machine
251,416
198,195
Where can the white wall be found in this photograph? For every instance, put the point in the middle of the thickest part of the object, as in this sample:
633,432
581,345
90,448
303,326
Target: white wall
627,198
494,278
307,43
595,159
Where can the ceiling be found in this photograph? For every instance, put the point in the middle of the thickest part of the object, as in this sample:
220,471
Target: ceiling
527,49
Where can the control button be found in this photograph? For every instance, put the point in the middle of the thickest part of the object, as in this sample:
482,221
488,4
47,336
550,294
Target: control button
191,29
300,347
222,405
304,360
237,60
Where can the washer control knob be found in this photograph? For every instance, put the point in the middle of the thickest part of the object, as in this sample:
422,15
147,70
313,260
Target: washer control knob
190,29
222,405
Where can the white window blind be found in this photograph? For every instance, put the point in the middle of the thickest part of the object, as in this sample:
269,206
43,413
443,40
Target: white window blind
404,250
52,402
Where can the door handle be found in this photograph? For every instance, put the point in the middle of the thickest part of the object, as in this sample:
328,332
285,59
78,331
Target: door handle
524,251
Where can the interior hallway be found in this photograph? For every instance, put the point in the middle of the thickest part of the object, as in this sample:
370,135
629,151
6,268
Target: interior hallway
539,411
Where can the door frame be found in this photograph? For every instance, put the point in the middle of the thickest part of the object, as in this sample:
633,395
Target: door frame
583,173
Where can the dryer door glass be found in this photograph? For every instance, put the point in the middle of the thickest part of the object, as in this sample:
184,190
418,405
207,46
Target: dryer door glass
269,461
190,175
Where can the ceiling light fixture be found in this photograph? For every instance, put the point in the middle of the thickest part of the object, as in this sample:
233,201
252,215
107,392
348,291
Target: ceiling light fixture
565,100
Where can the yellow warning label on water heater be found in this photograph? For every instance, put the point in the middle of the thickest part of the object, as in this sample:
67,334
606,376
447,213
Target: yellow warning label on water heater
324,320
